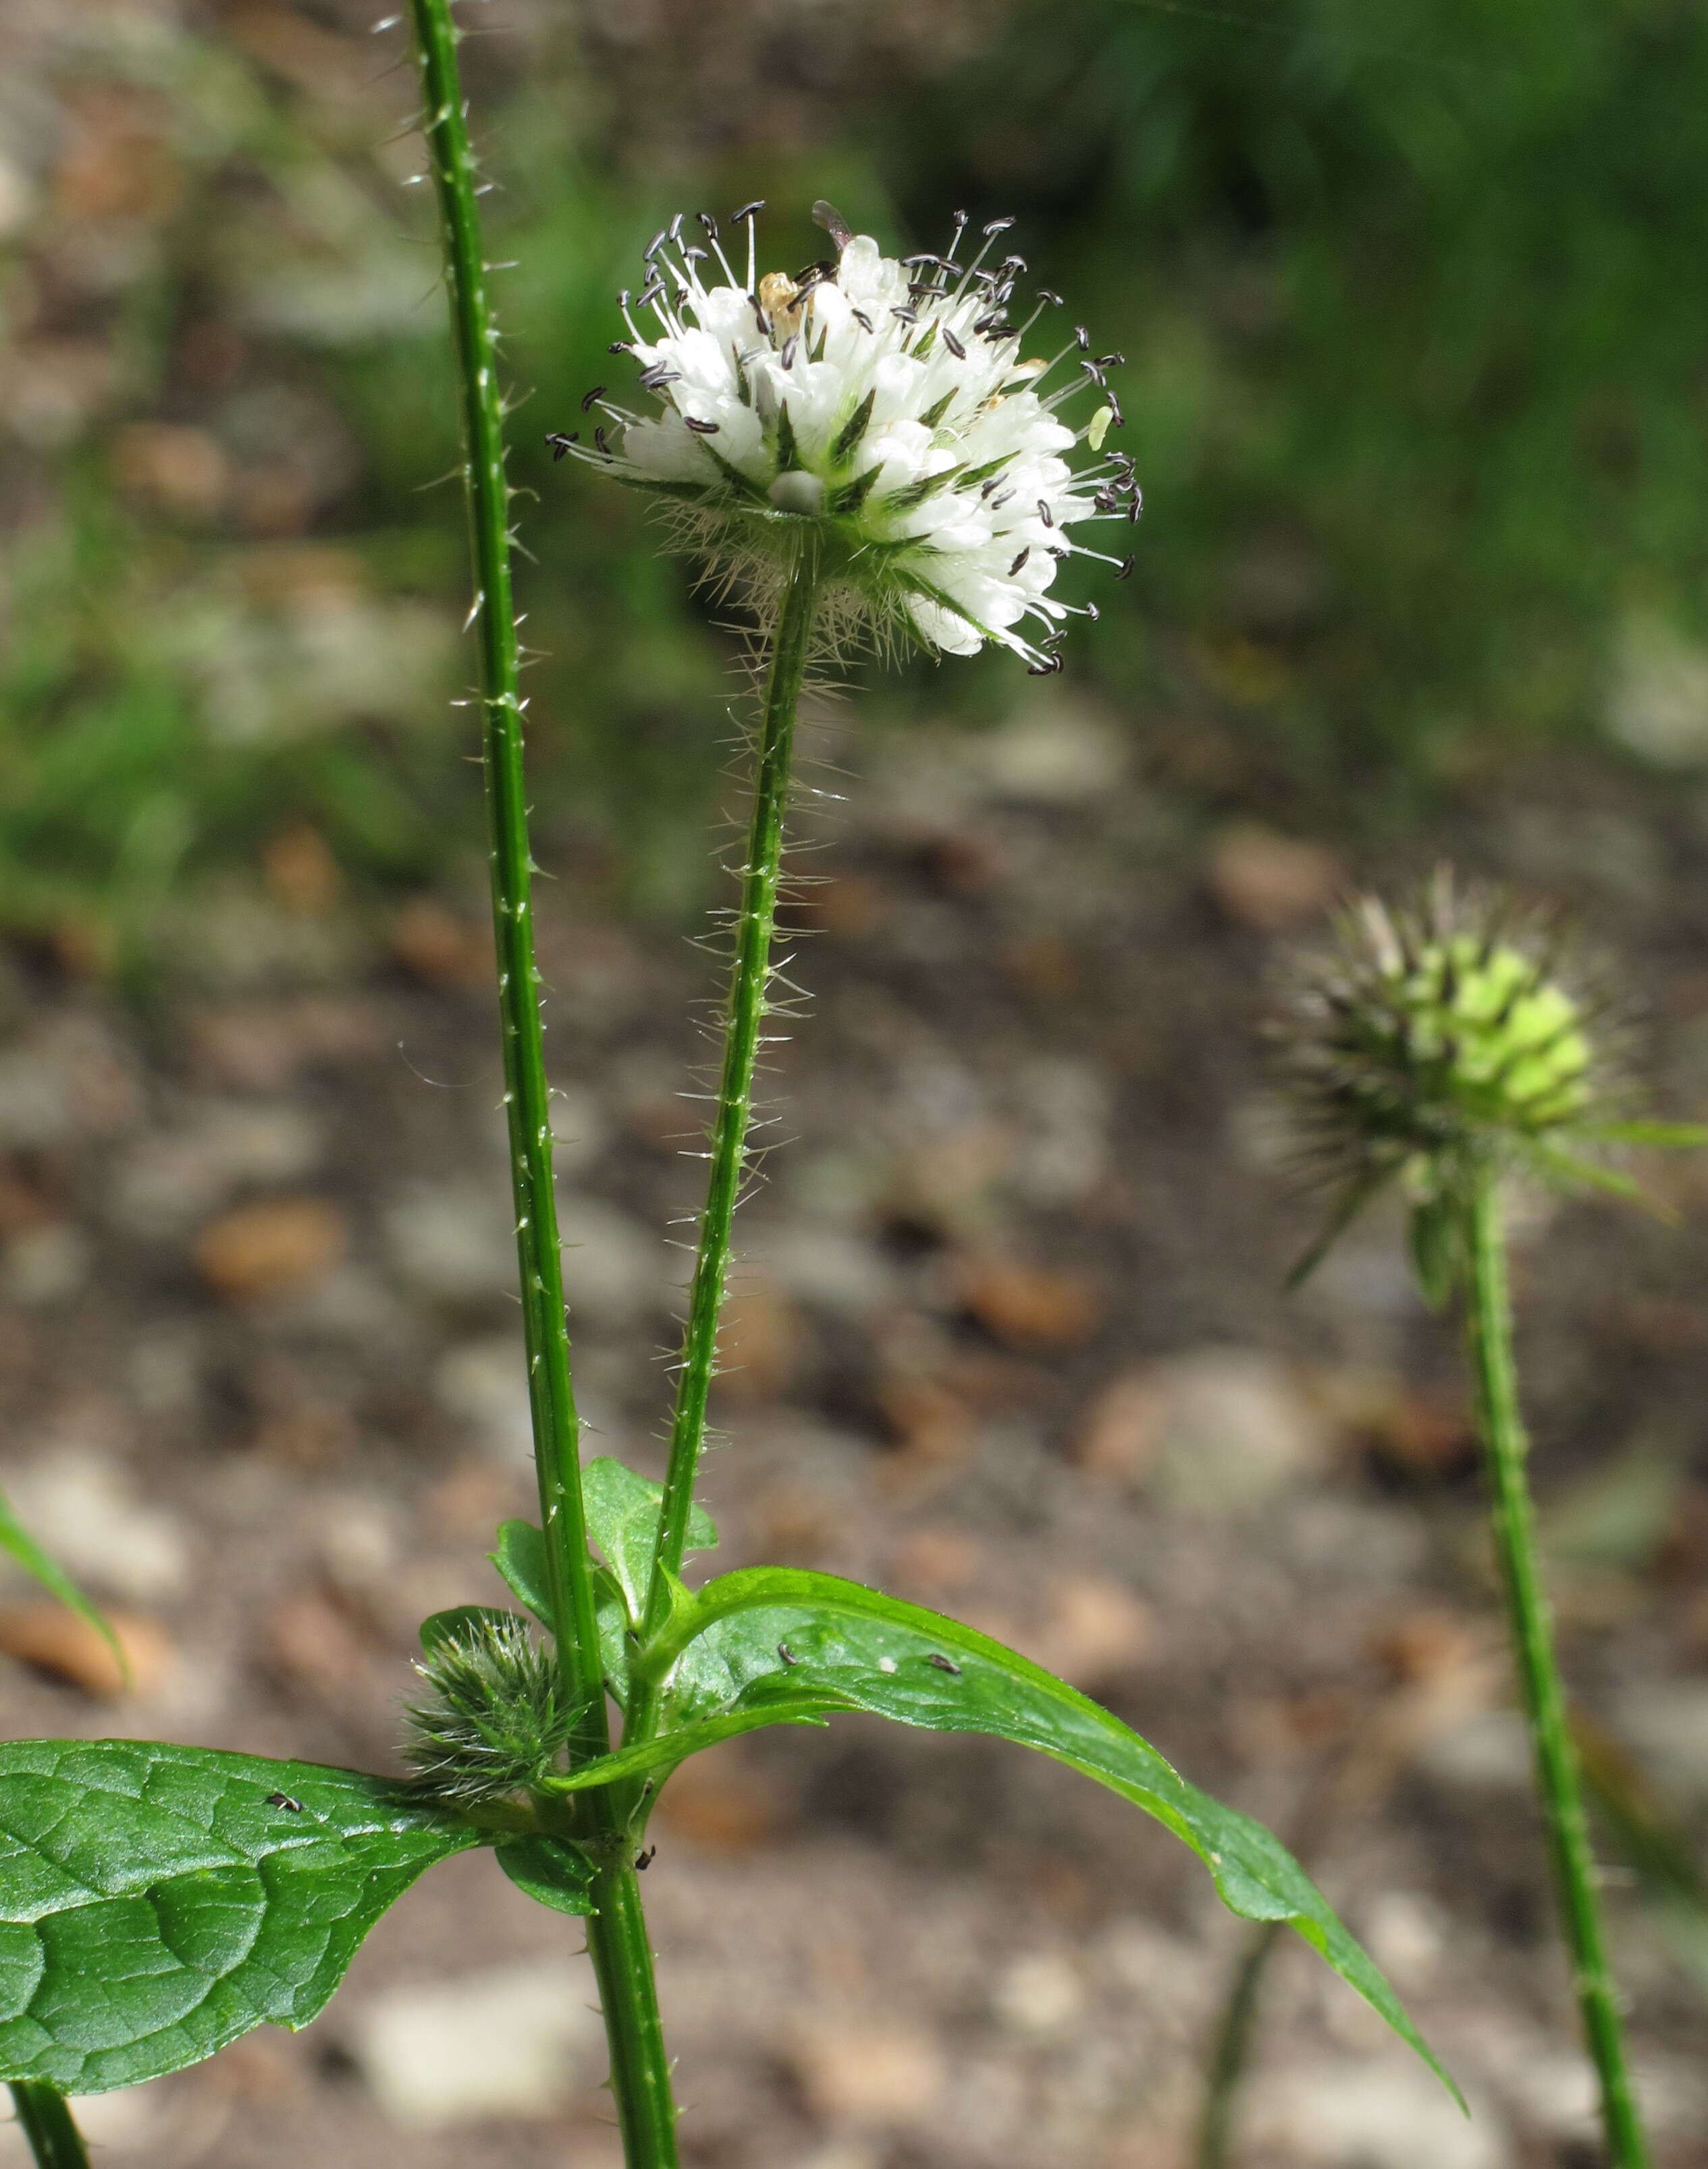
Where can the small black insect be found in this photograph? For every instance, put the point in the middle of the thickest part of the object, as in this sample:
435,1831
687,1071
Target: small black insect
646,1859
559,443
783,1651
284,1800
943,1664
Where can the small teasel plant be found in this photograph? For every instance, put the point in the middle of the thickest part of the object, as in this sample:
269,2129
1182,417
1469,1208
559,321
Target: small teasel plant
862,449
1453,1049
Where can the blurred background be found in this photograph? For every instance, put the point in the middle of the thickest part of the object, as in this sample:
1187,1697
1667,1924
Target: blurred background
1417,383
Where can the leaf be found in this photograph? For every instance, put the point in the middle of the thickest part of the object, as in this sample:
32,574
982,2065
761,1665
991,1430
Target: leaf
777,1644
15,1538
551,1872
157,1901
622,1518
520,1560
439,1628
519,1556
1683,1137
1434,1236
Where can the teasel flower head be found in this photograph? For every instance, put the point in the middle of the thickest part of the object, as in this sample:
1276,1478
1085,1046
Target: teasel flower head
1431,1039
895,408
492,1720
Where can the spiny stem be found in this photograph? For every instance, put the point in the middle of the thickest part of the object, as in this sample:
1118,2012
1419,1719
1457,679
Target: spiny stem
545,1327
761,870
1489,1333
617,1934
45,2118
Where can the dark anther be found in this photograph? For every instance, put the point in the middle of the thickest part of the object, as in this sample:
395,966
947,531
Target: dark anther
1082,338
655,244
676,226
1019,561
784,1652
618,346
1013,264
1095,374
988,324
761,319
284,1800
1124,571
924,256
700,428
957,219
1137,506
1110,360
659,374
1048,294
997,503
747,211
622,303
646,1859
709,222
946,1664
593,398
906,315
1044,669
599,440
999,226
789,345
693,255
861,318
1115,408
559,443
1043,512
955,346
1093,612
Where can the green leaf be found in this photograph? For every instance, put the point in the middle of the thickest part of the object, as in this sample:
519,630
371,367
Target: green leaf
1434,1232
520,1560
157,1901
622,1519
519,1556
15,1538
778,1645
439,1628
551,1874
1684,1137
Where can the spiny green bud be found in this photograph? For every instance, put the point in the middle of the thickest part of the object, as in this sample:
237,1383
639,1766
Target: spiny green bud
1431,1038
493,1721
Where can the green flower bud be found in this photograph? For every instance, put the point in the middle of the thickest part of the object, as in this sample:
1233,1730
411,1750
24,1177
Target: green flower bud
1428,1039
494,1722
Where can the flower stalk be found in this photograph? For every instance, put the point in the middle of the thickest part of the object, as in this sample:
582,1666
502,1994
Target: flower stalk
617,1933
1489,1323
756,925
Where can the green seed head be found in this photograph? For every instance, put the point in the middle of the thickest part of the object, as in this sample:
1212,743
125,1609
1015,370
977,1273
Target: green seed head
493,1722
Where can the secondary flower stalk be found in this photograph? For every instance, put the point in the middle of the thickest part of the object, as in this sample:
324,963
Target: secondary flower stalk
1442,1049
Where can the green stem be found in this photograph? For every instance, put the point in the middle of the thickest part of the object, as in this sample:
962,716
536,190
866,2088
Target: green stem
622,1961
1489,1328
45,2118
616,1936
761,870
1232,2048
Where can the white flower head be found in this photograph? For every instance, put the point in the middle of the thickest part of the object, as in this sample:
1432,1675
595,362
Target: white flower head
893,406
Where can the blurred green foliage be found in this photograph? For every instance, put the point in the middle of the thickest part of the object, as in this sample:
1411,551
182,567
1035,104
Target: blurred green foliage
1417,384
